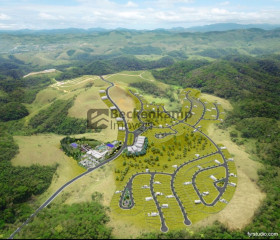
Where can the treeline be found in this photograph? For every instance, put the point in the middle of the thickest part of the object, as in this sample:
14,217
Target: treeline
77,221
18,184
113,65
54,119
142,50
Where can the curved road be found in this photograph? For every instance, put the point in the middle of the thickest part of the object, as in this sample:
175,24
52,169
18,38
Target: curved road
47,202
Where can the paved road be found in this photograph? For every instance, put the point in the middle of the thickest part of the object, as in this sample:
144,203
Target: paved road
47,202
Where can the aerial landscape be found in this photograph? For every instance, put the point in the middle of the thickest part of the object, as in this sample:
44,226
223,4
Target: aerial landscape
139,119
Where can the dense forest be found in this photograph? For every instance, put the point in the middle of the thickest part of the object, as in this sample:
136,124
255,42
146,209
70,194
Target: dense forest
77,221
18,184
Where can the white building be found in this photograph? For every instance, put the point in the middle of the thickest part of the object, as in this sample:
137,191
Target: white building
197,155
159,194
118,192
205,193
138,145
222,148
157,182
187,183
104,97
122,128
113,108
232,184
145,187
170,196
175,166
153,214
197,201
102,91
213,178
148,199
217,161
164,206
200,168
96,155
119,119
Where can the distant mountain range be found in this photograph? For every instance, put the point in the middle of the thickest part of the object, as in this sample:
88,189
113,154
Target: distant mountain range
205,28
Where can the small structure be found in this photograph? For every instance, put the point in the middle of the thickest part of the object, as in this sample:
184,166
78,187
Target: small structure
148,199
193,113
153,214
118,192
104,97
102,91
223,201
74,145
145,187
164,206
231,159
232,184
147,170
113,108
121,128
110,145
159,194
170,196
217,161
157,182
160,126
208,110
197,201
197,155
119,119
222,148
187,183
213,178
205,193
213,108
200,168
175,166
232,175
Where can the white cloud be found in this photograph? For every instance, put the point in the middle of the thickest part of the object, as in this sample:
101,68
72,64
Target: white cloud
4,17
225,3
131,4
149,15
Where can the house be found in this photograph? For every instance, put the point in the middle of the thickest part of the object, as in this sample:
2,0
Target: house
175,166
187,183
213,178
153,214
145,187
113,108
222,148
197,201
170,196
121,128
217,161
232,184
157,182
197,155
104,97
119,119
159,194
200,168
164,206
102,91
118,192
148,199
205,193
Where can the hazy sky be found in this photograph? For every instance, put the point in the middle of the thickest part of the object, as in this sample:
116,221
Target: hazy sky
50,14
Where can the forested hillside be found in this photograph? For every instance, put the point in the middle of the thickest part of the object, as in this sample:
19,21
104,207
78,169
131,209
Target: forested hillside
253,87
